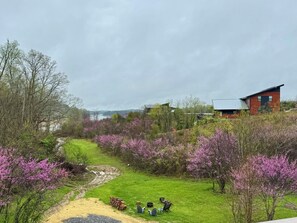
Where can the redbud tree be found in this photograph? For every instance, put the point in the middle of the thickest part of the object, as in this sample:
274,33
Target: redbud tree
214,158
275,177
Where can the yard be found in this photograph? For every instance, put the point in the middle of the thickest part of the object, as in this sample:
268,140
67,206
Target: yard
193,201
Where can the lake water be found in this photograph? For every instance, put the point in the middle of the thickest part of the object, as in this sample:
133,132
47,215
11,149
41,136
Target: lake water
98,117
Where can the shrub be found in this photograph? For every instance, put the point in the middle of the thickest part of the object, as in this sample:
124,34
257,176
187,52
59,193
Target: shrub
110,143
270,134
137,128
49,143
23,185
101,127
157,156
137,152
75,169
172,160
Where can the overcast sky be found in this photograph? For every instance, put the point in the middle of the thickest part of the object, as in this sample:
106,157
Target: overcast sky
121,54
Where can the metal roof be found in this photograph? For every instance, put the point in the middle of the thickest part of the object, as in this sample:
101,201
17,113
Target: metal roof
268,89
229,104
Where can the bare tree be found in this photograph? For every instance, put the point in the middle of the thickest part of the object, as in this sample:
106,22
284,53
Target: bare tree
32,92
44,89
9,54
10,90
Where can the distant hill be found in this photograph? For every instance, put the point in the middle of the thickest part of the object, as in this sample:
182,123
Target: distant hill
109,113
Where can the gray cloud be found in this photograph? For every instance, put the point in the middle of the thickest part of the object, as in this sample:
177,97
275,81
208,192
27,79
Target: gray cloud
127,53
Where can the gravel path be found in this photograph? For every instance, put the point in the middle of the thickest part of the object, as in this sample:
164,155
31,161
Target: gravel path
103,174
92,219
80,209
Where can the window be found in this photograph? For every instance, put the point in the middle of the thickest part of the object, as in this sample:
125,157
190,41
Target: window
228,112
270,98
259,98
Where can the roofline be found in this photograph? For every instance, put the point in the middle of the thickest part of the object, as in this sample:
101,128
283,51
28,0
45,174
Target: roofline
225,99
232,109
268,89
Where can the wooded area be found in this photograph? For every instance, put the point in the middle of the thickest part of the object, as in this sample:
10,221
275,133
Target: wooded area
33,94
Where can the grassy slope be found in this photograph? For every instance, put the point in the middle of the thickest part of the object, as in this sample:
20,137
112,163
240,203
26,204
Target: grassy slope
193,201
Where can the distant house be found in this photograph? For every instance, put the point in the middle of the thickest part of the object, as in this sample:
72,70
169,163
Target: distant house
265,100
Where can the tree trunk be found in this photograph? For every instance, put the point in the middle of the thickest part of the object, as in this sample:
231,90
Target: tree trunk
270,214
222,184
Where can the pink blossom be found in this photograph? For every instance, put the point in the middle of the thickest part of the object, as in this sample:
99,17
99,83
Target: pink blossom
18,173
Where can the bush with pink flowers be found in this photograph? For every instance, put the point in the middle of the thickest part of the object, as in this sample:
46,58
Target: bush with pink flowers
157,156
110,143
23,185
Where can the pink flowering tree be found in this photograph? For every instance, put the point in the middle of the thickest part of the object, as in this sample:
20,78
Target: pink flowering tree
278,177
245,189
215,158
273,177
24,184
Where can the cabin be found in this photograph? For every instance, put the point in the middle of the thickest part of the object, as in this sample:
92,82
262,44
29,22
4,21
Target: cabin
267,100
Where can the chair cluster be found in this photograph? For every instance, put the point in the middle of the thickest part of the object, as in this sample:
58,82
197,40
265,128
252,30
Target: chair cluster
118,203
153,212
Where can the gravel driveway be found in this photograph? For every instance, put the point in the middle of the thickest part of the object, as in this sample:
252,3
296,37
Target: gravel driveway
92,219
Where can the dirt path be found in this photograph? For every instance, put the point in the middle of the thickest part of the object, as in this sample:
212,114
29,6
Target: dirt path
81,207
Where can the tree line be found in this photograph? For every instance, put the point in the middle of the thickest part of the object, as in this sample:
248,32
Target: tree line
33,94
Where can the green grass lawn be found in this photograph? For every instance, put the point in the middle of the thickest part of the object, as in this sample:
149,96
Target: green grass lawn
193,201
